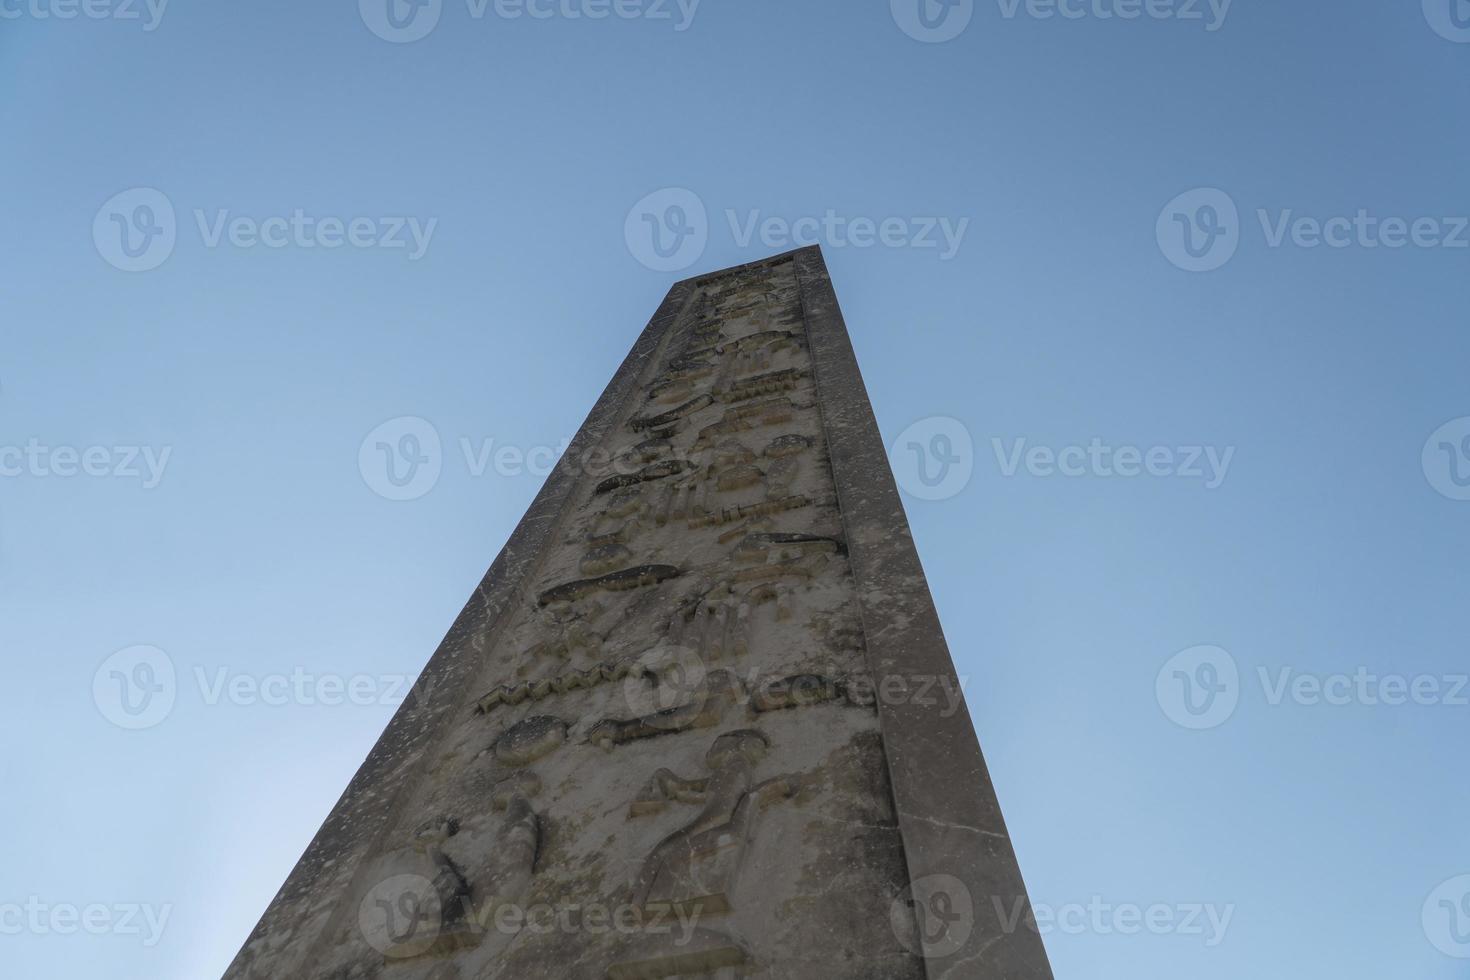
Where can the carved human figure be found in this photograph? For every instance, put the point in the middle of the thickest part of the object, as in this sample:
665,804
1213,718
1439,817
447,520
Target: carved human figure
450,888
695,867
512,861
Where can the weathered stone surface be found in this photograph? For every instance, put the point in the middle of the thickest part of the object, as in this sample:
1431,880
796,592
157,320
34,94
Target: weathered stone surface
655,744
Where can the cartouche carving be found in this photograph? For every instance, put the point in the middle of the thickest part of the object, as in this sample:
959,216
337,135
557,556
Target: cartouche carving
526,741
706,699
743,418
770,383
671,416
628,578
787,445
605,557
728,514
658,471
572,680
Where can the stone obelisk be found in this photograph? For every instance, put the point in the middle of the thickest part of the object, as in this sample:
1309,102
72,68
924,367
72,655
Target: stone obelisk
687,724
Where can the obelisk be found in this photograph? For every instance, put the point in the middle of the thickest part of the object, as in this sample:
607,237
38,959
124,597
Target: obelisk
685,726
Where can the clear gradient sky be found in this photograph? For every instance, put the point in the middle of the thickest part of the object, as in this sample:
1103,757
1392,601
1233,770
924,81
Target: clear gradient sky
1125,270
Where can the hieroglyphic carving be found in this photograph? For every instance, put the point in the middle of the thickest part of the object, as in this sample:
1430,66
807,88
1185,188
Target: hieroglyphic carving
692,872
509,866
695,867
450,886
705,702
658,471
744,418
572,680
526,741
466,893
628,578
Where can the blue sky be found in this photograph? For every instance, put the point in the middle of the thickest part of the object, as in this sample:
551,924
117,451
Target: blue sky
1186,680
